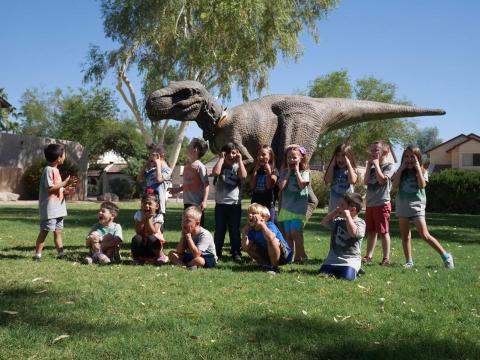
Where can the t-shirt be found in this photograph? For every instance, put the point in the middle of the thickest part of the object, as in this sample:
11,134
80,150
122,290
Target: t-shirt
410,200
295,199
114,229
160,188
157,219
195,179
345,250
256,236
204,242
227,185
51,206
261,194
379,194
339,187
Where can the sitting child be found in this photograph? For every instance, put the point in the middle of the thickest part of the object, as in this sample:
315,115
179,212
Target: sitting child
147,244
263,241
344,258
196,247
105,237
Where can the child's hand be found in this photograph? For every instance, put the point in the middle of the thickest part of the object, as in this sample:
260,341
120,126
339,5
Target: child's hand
347,161
417,164
221,155
345,213
203,205
268,168
238,157
187,236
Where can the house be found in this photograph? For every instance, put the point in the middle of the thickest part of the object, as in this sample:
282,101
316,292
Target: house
19,152
460,152
108,167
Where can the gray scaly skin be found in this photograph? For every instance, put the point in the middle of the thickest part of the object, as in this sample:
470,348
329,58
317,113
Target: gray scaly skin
276,120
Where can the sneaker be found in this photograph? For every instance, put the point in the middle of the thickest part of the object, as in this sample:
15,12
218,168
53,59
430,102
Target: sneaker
61,255
162,259
385,262
88,260
103,259
192,268
408,265
367,259
361,272
36,258
273,270
237,258
448,262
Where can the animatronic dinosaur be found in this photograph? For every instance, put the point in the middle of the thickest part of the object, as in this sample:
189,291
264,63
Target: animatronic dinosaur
276,120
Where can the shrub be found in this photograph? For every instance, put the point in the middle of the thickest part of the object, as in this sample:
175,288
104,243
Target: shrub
32,175
122,187
454,191
321,190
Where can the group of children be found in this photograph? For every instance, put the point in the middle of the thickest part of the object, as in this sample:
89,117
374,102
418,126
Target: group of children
261,238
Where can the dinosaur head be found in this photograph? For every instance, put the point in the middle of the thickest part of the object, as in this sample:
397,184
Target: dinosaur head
184,101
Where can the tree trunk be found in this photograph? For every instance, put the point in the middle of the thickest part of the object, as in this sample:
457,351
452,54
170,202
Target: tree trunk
178,143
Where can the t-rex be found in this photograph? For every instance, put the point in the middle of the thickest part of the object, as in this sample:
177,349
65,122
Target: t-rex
276,120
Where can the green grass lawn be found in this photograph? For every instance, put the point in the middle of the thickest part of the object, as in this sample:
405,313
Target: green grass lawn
234,311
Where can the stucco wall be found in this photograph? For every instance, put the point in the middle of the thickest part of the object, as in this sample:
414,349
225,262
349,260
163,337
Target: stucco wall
470,147
18,152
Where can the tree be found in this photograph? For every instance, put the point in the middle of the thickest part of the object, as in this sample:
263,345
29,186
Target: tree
338,84
5,113
427,138
89,117
218,43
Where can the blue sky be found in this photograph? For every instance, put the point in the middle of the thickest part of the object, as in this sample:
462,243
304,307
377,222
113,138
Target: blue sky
429,49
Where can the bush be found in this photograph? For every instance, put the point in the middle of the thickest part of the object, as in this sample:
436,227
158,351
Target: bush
32,175
321,190
122,187
454,191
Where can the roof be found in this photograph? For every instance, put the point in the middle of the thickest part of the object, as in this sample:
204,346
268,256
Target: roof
477,139
4,103
446,142
115,168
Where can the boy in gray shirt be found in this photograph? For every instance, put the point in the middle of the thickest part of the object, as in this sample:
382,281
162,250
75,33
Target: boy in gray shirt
377,214
51,200
196,247
344,258
229,171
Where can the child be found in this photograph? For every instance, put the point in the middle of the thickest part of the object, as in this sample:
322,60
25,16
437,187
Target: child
196,247
195,179
377,214
105,236
341,174
147,244
263,241
293,182
156,174
411,179
263,180
229,171
52,200
344,258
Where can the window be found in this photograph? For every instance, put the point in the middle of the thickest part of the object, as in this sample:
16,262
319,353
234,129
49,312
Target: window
471,159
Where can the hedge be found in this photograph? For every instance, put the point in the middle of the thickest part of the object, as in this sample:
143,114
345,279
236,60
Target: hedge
454,191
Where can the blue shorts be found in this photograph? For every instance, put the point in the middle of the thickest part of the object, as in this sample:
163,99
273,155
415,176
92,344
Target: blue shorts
51,224
340,272
209,259
292,225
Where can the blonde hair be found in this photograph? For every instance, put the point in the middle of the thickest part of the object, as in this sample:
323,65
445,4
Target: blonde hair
256,208
193,212
271,161
301,151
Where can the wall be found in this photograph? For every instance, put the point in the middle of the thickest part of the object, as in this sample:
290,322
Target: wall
18,152
470,147
440,156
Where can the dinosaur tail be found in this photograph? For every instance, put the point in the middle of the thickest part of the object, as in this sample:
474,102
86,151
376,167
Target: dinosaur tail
345,112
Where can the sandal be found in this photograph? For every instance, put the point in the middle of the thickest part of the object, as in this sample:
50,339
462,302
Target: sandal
385,262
